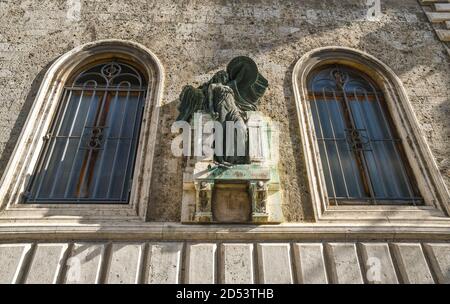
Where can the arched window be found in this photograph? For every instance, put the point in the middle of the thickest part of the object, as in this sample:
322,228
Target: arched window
90,148
362,143
86,150
361,154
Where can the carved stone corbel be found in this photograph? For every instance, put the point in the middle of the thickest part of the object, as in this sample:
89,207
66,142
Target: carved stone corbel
258,194
203,202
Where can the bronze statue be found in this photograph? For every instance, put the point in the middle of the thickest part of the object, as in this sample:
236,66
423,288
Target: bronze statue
227,97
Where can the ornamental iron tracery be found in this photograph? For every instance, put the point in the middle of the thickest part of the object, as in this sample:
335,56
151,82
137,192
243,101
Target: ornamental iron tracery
362,158
90,149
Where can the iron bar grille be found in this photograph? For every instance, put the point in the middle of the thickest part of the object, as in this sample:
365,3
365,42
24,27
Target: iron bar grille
362,158
90,150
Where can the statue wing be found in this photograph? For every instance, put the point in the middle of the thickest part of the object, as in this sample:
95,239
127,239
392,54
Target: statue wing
191,100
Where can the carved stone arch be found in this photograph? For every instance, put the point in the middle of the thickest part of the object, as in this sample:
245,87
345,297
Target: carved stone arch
419,156
27,150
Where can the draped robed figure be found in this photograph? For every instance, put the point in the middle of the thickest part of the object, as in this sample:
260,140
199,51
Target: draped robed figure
227,97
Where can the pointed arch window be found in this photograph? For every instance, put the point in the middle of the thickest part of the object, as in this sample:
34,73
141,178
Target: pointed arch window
361,154
90,149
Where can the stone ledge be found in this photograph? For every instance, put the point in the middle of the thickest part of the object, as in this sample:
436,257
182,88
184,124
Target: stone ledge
174,231
412,263
444,35
442,7
436,17
429,2
441,14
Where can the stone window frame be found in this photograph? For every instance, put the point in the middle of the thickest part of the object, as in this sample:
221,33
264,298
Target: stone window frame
430,182
24,158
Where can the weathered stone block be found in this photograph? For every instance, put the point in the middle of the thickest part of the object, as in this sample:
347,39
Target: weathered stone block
378,263
444,35
412,264
275,266
46,264
442,7
344,263
237,264
439,255
438,16
84,263
11,261
201,263
163,263
231,204
310,263
125,264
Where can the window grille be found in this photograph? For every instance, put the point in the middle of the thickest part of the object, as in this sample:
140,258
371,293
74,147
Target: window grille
90,150
362,157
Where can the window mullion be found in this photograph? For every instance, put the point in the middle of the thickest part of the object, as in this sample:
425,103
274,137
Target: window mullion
354,156
362,161
377,164
70,176
116,150
58,171
86,165
372,155
97,182
325,149
52,142
399,159
335,143
71,166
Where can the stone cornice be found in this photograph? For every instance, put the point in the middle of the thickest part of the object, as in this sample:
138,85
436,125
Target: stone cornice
173,231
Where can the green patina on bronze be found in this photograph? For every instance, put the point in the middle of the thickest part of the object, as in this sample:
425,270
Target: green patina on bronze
239,173
241,76
227,96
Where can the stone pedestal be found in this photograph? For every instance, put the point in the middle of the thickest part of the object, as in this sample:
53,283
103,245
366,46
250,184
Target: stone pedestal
245,193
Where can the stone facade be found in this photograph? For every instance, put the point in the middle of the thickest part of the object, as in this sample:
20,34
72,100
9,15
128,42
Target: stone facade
196,38
193,40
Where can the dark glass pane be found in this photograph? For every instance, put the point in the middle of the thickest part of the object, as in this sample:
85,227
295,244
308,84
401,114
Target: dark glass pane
120,166
47,173
360,154
384,164
62,176
393,169
324,119
103,176
377,176
74,175
351,171
336,172
326,170
316,120
80,113
91,149
337,118
328,114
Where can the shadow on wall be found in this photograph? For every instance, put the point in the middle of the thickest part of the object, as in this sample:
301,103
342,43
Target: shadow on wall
167,177
21,118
